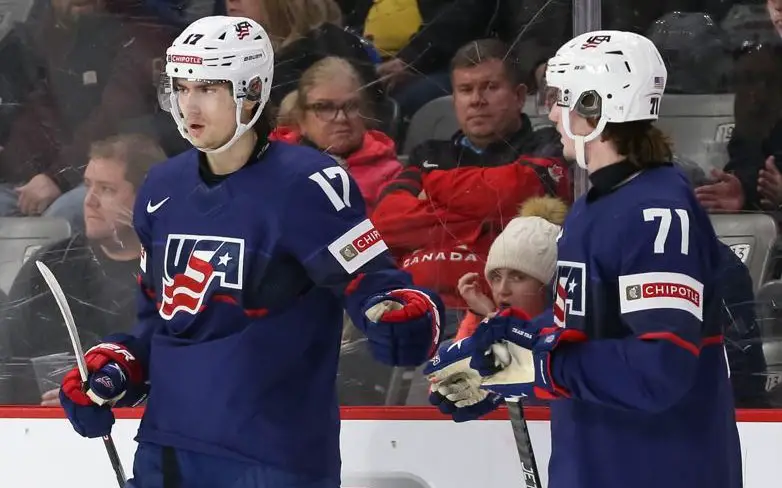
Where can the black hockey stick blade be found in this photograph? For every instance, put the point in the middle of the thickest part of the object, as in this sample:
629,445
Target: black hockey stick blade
523,444
70,323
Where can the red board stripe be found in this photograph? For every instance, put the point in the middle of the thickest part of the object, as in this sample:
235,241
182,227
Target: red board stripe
371,413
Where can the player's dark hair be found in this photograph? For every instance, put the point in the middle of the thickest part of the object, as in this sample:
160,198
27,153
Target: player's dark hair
640,141
139,152
264,125
478,52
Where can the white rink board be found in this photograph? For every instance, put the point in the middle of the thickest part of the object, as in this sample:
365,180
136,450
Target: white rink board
46,453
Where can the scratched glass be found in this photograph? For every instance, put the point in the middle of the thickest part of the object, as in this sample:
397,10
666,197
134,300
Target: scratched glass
428,102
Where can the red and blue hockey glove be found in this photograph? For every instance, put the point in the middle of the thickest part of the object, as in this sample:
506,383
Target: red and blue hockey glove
403,326
455,389
115,378
526,368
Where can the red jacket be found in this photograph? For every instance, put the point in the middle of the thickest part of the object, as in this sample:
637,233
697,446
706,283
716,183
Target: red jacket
373,165
467,199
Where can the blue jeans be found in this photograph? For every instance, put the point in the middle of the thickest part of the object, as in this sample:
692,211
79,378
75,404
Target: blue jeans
196,470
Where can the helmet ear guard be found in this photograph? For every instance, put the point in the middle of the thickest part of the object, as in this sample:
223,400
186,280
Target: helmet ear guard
589,105
254,89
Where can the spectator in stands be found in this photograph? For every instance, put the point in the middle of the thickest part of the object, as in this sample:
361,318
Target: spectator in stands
331,111
97,269
519,267
775,13
417,39
743,341
536,28
749,180
98,74
441,214
302,33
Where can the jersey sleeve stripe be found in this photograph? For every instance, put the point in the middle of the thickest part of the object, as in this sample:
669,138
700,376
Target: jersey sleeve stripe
354,283
671,337
713,340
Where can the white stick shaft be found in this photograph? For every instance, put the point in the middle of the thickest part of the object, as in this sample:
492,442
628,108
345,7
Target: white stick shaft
65,309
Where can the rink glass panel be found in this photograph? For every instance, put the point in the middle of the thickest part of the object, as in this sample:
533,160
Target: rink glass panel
58,94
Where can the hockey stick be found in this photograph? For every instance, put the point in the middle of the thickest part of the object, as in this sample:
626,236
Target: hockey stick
523,444
503,358
65,309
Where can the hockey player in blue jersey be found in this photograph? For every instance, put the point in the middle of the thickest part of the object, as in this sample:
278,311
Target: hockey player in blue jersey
631,354
252,250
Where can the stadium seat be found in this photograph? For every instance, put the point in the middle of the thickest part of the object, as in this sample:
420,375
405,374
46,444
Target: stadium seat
769,319
769,300
538,117
387,118
753,237
699,125
435,120
21,237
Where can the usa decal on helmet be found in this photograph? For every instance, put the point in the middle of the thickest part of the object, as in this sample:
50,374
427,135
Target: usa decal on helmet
243,29
595,41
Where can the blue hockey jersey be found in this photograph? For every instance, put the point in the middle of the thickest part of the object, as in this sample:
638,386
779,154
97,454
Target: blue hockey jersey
650,402
243,287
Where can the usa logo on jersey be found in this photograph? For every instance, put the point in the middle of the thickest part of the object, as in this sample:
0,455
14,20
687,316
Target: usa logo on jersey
569,291
190,266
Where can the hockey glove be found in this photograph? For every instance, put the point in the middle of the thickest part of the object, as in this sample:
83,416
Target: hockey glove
403,326
455,389
526,369
113,372
484,401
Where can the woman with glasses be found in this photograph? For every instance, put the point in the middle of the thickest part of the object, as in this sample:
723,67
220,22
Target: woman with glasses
329,111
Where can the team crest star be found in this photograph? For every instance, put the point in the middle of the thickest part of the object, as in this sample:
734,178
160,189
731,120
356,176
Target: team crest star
224,259
457,344
571,286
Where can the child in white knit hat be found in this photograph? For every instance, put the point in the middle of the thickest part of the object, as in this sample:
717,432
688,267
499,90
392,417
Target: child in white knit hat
521,263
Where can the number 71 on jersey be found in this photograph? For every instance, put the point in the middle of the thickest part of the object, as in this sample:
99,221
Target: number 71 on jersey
666,217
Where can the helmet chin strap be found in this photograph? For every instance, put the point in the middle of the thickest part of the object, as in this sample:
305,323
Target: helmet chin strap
240,127
581,141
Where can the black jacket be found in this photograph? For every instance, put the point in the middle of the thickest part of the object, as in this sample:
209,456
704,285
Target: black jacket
292,60
101,293
446,26
743,342
747,157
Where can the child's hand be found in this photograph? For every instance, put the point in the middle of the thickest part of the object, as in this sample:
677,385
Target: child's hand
470,290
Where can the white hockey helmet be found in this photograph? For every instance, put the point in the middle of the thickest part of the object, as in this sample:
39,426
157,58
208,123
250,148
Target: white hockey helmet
236,50
612,76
